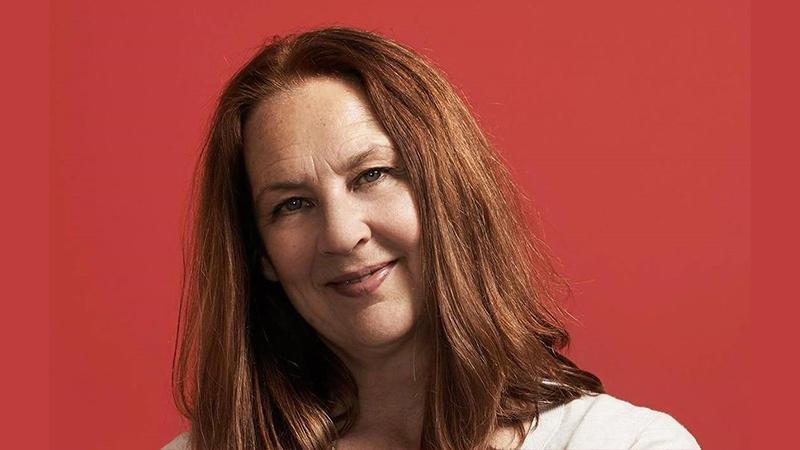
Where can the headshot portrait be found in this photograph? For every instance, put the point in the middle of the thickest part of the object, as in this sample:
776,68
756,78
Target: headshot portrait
370,228
361,275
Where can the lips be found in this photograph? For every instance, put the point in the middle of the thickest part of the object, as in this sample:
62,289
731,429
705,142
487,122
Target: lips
365,281
354,276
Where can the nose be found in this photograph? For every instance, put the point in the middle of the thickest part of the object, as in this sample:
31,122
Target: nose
344,228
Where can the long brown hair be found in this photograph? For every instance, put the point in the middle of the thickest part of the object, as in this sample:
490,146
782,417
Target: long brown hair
250,373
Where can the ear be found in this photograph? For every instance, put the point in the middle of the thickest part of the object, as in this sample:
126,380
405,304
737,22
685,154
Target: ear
268,270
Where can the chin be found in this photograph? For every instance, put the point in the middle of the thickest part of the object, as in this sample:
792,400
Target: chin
380,329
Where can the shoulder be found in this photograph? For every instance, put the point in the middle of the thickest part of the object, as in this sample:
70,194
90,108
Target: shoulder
181,442
605,422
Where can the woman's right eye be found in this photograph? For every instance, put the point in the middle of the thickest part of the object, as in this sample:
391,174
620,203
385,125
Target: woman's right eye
291,205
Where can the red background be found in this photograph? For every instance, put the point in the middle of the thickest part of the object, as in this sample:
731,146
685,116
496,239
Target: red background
627,122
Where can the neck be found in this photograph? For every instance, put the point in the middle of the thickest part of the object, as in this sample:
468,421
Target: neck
392,387
391,390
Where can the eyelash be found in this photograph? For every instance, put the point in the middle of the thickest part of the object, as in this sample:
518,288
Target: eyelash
383,171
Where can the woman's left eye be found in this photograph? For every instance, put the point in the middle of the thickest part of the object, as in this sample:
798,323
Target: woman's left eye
372,175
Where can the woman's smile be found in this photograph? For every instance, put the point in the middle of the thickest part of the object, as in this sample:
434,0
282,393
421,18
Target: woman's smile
365,284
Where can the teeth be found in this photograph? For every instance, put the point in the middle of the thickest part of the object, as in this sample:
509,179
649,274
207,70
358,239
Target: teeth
358,280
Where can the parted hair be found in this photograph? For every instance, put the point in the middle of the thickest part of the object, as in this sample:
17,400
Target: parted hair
250,373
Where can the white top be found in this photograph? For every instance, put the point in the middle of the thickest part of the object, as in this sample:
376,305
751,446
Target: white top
598,422
602,422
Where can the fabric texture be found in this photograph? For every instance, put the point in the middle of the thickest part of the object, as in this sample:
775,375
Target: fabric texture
597,422
603,422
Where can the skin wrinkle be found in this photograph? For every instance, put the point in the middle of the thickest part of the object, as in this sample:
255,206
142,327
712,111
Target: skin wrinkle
264,124
290,184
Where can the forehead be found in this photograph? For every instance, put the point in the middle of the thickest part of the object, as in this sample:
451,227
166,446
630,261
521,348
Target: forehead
322,117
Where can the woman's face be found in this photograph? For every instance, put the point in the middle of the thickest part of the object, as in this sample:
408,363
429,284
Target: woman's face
333,208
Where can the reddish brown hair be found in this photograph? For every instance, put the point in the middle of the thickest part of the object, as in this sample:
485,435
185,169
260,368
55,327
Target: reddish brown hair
250,373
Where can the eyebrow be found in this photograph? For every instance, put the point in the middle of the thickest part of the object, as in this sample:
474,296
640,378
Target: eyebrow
352,161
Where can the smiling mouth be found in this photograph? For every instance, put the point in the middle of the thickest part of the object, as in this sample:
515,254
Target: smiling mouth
365,284
361,278
358,279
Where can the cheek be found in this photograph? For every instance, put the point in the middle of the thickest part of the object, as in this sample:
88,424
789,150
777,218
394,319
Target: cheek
290,253
402,222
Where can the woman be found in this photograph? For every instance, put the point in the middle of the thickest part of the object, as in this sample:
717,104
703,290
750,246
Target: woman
362,276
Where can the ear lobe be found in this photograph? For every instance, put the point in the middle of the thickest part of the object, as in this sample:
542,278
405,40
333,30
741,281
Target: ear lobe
268,270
